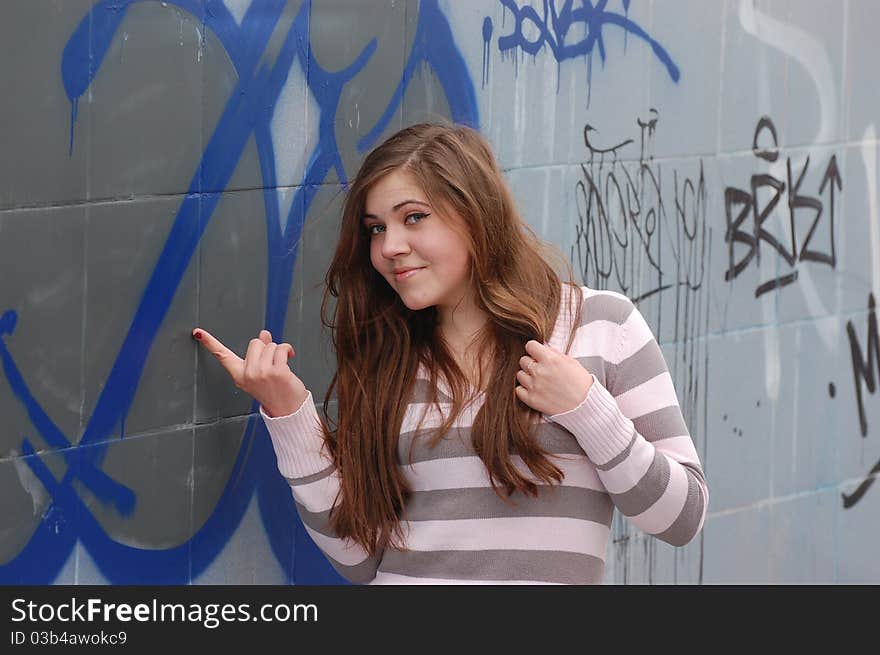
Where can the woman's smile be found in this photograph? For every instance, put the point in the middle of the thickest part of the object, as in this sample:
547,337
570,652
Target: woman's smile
400,277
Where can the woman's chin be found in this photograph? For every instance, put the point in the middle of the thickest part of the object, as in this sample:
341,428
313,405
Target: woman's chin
416,306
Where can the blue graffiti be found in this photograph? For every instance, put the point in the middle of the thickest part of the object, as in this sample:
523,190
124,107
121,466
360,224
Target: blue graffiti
248,111
552,30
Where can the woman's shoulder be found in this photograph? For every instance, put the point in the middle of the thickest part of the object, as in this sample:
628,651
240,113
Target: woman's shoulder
579,305
597,304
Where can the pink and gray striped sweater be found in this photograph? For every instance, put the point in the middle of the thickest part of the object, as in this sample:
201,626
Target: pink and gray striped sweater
625,446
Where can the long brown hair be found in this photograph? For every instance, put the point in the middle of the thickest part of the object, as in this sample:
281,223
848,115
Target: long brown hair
380,343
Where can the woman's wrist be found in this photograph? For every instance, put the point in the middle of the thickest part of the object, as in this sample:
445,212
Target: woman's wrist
286,407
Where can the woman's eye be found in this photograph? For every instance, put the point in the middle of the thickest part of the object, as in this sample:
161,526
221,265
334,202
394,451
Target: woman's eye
418,215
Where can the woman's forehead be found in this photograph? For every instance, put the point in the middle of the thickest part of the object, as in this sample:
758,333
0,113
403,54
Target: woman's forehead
392,190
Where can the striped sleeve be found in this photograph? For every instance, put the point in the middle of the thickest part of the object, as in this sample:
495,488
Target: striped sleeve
314,481
634,433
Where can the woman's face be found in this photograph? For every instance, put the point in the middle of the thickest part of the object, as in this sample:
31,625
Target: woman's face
406,232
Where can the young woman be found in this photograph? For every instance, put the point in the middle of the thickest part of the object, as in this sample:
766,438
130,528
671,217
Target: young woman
490,416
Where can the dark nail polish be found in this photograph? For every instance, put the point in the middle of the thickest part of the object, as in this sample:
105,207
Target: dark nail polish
198,335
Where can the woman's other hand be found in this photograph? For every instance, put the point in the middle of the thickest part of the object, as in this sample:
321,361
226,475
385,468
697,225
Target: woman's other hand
551,382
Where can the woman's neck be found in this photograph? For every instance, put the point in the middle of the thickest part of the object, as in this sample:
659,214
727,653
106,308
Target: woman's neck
459,329
460,339
460,325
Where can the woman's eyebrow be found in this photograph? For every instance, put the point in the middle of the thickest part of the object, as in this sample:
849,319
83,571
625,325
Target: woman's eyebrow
397,206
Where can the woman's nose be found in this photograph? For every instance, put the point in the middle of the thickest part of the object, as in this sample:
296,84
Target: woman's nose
394,243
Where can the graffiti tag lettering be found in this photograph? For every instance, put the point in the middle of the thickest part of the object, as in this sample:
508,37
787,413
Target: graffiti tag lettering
742,204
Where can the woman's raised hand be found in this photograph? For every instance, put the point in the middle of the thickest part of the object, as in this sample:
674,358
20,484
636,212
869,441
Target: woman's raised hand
263,373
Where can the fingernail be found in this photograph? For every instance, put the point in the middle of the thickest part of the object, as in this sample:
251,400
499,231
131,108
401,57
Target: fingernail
198,335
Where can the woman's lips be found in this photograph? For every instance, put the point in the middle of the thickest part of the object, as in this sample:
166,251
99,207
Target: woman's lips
406,275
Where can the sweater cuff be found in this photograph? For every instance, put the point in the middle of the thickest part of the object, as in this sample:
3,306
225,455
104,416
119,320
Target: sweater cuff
298,440
599,426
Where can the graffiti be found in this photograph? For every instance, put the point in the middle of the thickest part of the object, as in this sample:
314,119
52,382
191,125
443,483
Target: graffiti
623,220
863,369
741,204
554,29
247,113
864,372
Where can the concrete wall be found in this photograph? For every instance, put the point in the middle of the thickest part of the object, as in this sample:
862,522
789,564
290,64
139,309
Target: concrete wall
180,163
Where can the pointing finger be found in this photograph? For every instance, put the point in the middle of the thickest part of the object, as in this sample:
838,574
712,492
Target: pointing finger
233,364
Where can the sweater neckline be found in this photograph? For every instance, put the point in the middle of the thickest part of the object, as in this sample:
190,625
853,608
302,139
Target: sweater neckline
444,387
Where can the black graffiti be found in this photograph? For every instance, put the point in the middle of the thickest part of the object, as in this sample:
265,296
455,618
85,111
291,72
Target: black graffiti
856,496
863,367
623,219
740,204
864,372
